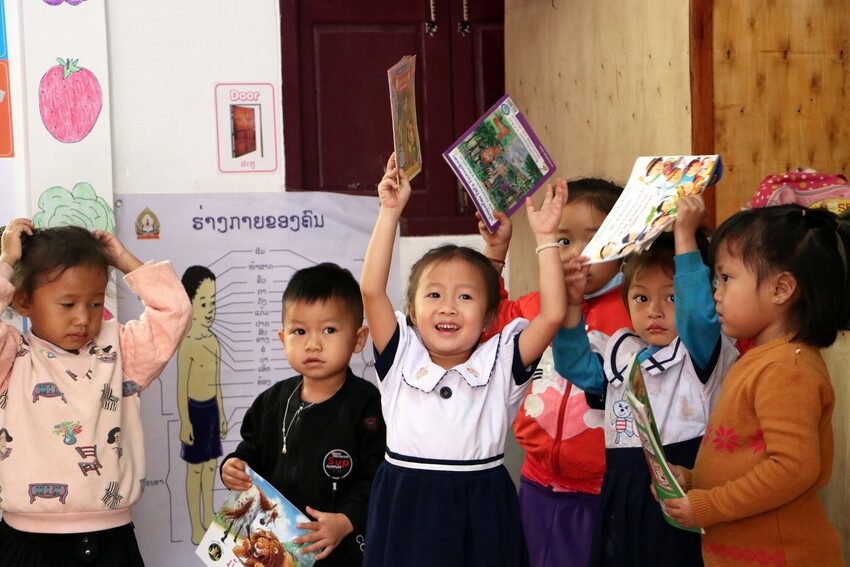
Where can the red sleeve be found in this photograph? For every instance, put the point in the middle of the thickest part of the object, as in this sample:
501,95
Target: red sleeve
527,307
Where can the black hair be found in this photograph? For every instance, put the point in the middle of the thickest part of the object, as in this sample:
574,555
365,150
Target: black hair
323,282
192,278
659,254
110,437
598,193
51,251
812,246
447,253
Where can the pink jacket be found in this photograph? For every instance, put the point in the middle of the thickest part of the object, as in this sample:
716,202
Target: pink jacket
63,469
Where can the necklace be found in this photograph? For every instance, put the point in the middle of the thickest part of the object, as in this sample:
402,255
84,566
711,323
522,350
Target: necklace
286,429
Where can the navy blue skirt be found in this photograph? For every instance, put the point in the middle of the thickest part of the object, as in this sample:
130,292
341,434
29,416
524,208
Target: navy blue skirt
631,530
445,518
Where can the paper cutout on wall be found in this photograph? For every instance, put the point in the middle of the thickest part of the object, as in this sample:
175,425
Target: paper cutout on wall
69,99
57,2
80,206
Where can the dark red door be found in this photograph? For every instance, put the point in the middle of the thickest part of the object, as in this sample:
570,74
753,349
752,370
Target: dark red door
337,124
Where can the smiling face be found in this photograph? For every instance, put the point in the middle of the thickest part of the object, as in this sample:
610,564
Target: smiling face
203,304
66,311
319,338
450,310
651,306
746,308
579,222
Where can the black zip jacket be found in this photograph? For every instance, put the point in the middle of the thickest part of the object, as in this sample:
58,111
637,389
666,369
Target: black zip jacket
319,438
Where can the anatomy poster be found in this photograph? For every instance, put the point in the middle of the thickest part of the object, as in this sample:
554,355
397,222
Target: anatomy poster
235,254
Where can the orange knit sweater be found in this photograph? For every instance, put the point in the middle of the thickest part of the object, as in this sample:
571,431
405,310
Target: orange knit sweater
767,450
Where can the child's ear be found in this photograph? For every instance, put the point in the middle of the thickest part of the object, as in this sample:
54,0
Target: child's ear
489,320
360,342
411,314
21,303
784,288
280,336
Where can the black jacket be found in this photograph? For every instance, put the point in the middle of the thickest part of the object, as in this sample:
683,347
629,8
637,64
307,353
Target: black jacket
350,421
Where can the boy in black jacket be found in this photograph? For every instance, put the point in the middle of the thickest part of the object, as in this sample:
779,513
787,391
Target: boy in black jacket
318,437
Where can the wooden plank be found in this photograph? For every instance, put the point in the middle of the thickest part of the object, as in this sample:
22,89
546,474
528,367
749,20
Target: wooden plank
780,75
702,88
601,82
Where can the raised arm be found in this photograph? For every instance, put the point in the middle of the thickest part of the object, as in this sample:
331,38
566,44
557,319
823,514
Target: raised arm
696,316
553,298
11,250
393,192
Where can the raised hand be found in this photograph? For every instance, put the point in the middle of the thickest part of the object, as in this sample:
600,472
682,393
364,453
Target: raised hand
690,211
496,243
545,220
394,188
121,258
10,244
576,271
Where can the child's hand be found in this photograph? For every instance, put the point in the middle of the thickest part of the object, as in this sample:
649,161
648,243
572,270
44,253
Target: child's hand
689,215
121,257
680,510
394,194
544,221
496,243
233,475
679,473
576,272
328,530
11,240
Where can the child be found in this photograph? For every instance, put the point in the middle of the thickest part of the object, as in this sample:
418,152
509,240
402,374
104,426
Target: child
683,358
66,388
326,411
564,454
443,497
782,282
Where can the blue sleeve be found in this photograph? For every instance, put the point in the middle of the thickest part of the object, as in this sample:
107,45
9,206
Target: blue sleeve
576,362
696,316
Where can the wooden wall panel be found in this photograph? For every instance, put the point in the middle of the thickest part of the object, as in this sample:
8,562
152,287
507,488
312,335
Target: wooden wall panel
601,82
780,90
836,495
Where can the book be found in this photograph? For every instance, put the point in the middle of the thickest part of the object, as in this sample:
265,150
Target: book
259,523
408,151
666,485
647,206
499,161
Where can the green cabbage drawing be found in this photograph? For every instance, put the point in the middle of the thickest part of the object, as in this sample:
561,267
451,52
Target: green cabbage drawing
80,206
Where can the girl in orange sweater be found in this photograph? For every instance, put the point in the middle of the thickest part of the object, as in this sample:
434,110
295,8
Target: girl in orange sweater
782,280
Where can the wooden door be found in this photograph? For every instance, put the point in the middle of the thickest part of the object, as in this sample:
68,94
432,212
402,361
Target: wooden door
337,126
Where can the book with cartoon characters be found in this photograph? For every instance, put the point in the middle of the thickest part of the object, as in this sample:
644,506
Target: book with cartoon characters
408,152
663,478
500,161
647,206
258,524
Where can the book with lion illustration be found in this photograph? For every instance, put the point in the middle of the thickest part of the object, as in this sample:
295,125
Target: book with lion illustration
500,161
647,206
257,524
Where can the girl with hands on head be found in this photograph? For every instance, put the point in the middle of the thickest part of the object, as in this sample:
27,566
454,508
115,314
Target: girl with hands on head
447,399
71,357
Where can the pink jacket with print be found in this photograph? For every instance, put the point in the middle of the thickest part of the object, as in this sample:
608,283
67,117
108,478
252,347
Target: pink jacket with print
72,455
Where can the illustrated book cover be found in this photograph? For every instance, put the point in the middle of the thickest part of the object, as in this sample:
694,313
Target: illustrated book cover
666,485
499,161
408,152
647,206
258,524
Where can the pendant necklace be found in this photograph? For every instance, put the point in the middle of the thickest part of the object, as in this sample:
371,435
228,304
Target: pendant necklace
286,429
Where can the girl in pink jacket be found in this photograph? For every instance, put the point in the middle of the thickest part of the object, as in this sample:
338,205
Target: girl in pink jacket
74,463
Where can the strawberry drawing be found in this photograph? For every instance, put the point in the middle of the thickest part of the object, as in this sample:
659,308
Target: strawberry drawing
70,100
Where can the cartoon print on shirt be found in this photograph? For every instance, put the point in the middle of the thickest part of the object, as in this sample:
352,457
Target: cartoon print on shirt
23,349
88,466
48,490
68,430
623,421
130,388
105,354
4,397
111,498
75,376
114,438
108,400
47,390
4,450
